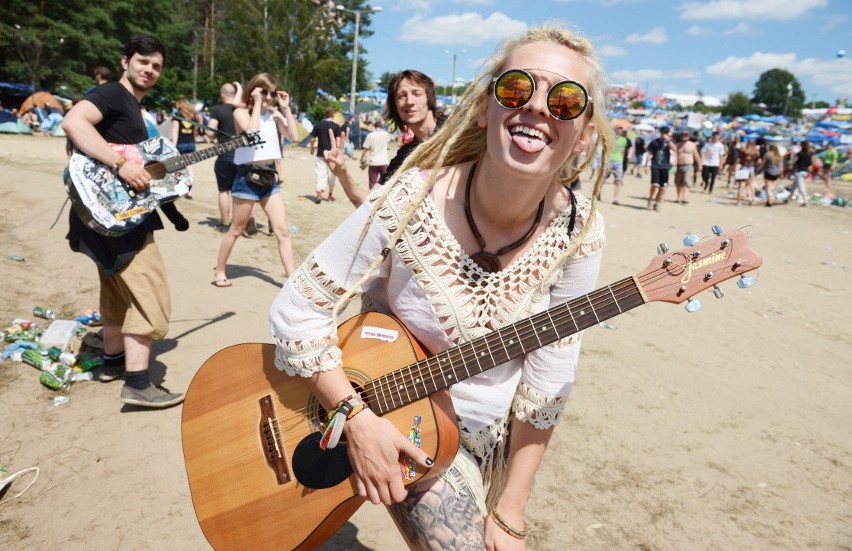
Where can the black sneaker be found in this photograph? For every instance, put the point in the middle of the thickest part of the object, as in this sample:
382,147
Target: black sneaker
107,373
154,396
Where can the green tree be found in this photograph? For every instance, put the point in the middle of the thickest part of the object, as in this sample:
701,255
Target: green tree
737,105
780,92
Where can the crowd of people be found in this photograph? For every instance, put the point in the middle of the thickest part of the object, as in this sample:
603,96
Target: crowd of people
685,156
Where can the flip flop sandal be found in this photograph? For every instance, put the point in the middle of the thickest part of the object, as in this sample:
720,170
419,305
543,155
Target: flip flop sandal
221,282
6,483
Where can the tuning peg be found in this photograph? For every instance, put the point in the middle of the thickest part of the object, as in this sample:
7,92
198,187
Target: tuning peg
662,248
716,230
690,240
745,281
693,305
718,292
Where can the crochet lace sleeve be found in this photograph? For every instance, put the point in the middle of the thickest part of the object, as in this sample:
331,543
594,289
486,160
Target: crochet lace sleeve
301,318
547,376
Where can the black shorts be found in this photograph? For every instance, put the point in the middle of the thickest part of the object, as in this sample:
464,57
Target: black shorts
660,177
225,171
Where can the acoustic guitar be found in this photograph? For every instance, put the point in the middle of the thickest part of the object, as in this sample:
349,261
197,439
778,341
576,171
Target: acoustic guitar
112,208
257,475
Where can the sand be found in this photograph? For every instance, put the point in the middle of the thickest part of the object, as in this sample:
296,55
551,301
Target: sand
730,428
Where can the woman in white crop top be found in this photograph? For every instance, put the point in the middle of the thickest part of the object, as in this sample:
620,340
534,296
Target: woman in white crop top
274,124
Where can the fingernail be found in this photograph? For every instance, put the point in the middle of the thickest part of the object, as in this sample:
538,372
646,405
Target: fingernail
429,462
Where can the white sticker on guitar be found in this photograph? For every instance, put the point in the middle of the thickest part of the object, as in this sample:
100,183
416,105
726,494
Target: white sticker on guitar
380,333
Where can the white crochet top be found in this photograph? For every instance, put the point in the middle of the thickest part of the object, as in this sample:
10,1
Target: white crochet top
429,283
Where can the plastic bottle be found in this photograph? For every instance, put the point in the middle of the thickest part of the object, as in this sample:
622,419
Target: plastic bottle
42,312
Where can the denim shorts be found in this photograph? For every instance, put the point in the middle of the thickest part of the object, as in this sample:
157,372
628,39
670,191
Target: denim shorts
250,192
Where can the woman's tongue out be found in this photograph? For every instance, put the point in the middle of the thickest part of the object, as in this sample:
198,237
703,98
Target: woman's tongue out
527,139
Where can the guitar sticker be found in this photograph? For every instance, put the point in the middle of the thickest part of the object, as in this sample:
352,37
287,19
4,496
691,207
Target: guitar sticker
387,335
408,465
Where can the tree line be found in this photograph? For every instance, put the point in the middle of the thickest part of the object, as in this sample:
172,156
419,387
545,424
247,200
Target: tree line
305,44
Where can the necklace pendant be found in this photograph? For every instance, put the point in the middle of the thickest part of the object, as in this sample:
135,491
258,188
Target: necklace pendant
489,262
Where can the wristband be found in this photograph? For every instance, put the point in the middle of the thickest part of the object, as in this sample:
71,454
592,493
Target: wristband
345,409
118,163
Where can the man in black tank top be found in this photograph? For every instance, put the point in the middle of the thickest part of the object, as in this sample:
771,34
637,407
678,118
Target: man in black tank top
135,302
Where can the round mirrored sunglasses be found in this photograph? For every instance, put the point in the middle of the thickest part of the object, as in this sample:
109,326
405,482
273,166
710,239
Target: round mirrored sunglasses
566,100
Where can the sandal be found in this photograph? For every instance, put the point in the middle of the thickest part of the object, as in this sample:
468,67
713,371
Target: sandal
224,282
6,483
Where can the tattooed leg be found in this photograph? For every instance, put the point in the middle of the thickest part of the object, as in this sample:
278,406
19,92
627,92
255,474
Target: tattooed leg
435,516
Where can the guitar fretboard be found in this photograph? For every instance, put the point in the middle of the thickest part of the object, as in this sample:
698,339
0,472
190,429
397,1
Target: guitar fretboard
182,161
437,372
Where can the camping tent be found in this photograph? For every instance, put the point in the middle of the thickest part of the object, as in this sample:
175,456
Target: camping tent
40,99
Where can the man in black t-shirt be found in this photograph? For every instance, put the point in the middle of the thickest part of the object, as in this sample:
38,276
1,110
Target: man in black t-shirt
222,119
325,178
135,302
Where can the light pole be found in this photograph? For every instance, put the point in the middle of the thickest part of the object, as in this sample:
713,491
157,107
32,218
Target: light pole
355,50
787,99
453,83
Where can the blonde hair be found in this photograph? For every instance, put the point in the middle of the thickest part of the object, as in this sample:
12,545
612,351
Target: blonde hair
461,139
185,108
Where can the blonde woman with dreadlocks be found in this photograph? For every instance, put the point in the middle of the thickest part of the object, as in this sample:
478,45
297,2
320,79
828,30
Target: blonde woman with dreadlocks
477,230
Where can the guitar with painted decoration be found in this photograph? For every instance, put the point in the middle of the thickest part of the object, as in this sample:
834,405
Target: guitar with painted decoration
110,207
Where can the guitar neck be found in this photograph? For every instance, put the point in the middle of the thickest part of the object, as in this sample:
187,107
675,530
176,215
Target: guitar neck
182,161
437,372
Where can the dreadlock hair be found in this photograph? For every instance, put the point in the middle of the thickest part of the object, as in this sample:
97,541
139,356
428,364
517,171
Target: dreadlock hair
461,139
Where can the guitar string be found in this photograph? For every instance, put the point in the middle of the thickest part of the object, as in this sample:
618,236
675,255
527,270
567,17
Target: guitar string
386,389
617,291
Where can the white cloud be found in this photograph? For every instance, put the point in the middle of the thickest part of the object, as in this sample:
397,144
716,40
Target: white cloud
647,75
751,67
835,74
657,35
474,2
695,30
780,10
741,28
609,50
464,29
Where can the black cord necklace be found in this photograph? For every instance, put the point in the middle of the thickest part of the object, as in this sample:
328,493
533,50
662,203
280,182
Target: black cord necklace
490,262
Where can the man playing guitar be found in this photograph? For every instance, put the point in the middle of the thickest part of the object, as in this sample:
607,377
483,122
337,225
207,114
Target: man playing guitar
135,301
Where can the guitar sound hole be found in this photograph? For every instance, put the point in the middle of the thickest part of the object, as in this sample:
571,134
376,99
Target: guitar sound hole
318,469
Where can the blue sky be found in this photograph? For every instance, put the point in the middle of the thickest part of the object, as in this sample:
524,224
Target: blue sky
677,47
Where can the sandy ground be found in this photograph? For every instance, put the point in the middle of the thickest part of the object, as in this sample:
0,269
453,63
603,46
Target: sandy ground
730,428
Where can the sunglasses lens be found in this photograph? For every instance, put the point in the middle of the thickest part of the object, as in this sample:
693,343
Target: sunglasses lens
567,100
513,89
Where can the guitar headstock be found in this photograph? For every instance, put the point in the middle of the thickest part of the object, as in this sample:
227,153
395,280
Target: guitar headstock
678,276
254,139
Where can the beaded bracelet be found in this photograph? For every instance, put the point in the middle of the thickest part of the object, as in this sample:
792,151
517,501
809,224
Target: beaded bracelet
345,409
515,533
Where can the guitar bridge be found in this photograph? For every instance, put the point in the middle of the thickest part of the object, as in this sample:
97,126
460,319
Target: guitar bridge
270,438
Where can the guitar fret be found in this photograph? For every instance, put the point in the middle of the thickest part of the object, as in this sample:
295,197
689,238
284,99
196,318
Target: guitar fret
520,340
592,306
614,299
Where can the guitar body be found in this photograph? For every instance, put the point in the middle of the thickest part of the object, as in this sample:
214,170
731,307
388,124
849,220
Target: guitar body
250,440
110,207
